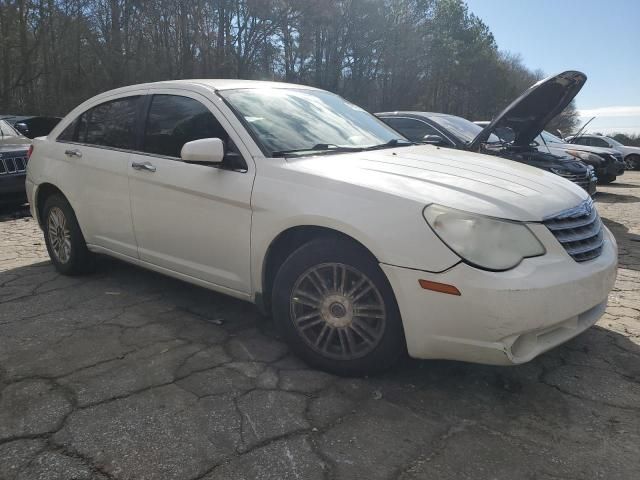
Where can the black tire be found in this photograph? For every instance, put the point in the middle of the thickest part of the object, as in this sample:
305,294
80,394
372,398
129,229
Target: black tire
79,259
632,162
606,179
335,253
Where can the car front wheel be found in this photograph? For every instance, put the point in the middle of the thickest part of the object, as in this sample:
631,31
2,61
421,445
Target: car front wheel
336,308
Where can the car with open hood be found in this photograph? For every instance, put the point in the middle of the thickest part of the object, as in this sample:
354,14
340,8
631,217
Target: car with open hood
509,135
359,243
607,163
630,154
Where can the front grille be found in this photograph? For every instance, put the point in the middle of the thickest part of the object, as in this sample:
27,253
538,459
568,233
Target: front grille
581,179
12,165
579,230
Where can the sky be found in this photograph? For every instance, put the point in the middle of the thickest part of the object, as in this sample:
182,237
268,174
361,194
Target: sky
599,38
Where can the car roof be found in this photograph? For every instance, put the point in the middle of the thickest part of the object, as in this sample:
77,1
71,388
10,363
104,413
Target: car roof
209,83
411,113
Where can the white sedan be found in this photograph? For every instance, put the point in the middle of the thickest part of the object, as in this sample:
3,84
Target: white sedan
361,245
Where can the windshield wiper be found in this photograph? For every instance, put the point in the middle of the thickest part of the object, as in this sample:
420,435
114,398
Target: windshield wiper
320,147
395,142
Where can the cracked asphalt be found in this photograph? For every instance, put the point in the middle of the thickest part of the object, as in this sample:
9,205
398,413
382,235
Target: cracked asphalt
125,374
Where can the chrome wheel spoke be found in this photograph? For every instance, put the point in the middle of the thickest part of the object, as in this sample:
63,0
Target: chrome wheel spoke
59,235
338,311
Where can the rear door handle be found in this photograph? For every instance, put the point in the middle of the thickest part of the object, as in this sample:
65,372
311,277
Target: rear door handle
73,153
143,166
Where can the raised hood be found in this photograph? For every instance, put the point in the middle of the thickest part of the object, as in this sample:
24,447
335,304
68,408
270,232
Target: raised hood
538,105
426,174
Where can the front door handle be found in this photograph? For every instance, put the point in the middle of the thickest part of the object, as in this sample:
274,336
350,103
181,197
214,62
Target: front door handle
73,153
143,166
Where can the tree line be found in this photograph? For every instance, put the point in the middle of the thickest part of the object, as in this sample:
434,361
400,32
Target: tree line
430,55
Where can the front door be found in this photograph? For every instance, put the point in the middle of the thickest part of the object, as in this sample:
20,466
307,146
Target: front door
191,219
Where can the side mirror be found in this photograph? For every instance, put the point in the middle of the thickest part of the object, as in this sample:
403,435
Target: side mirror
433,140
208,151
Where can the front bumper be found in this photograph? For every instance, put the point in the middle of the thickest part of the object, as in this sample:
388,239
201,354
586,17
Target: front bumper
12,188
505,318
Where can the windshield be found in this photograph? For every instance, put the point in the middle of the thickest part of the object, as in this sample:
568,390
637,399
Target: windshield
7,130
462,128
615,142
283,119
550,138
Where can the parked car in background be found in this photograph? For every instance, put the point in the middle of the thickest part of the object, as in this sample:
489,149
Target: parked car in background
631,155
607,163
10,136
34,126
511,133
456,132
13,163
361,244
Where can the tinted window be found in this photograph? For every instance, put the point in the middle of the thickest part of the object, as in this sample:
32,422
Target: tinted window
69,134
174,121
598,142
110,124
414,130
581,141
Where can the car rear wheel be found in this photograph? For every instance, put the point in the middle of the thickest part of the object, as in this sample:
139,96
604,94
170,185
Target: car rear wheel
336,308
65,242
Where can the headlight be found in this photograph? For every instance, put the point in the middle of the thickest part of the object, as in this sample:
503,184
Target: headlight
484,242
560,171
586,156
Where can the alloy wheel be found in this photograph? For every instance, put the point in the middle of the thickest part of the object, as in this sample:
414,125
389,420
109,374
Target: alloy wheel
59,235
338,311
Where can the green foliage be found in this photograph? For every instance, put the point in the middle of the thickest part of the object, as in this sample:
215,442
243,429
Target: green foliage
632,140
382,54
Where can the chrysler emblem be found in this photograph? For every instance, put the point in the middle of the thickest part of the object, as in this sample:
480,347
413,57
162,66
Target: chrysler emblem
582,210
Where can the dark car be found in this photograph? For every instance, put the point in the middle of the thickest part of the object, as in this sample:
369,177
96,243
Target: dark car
32,126
509,135
607,163
13,170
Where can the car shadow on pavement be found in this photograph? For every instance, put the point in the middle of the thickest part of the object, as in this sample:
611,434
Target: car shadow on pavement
13,212
126,356
607,197
622,185
628,244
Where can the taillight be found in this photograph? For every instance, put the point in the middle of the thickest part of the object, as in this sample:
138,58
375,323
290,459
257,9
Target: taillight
30,151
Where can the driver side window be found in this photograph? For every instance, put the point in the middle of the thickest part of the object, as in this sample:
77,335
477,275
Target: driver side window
174,120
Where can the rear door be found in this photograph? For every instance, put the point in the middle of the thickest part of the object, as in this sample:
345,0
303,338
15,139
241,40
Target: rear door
192,219
97,146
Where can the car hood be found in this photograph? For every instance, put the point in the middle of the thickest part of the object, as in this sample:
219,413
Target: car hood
586,148
467,181
530,112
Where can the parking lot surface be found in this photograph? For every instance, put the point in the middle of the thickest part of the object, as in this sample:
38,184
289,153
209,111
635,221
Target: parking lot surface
126,374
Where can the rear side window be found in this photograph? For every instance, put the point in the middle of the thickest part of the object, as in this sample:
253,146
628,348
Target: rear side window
174,120
110,124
